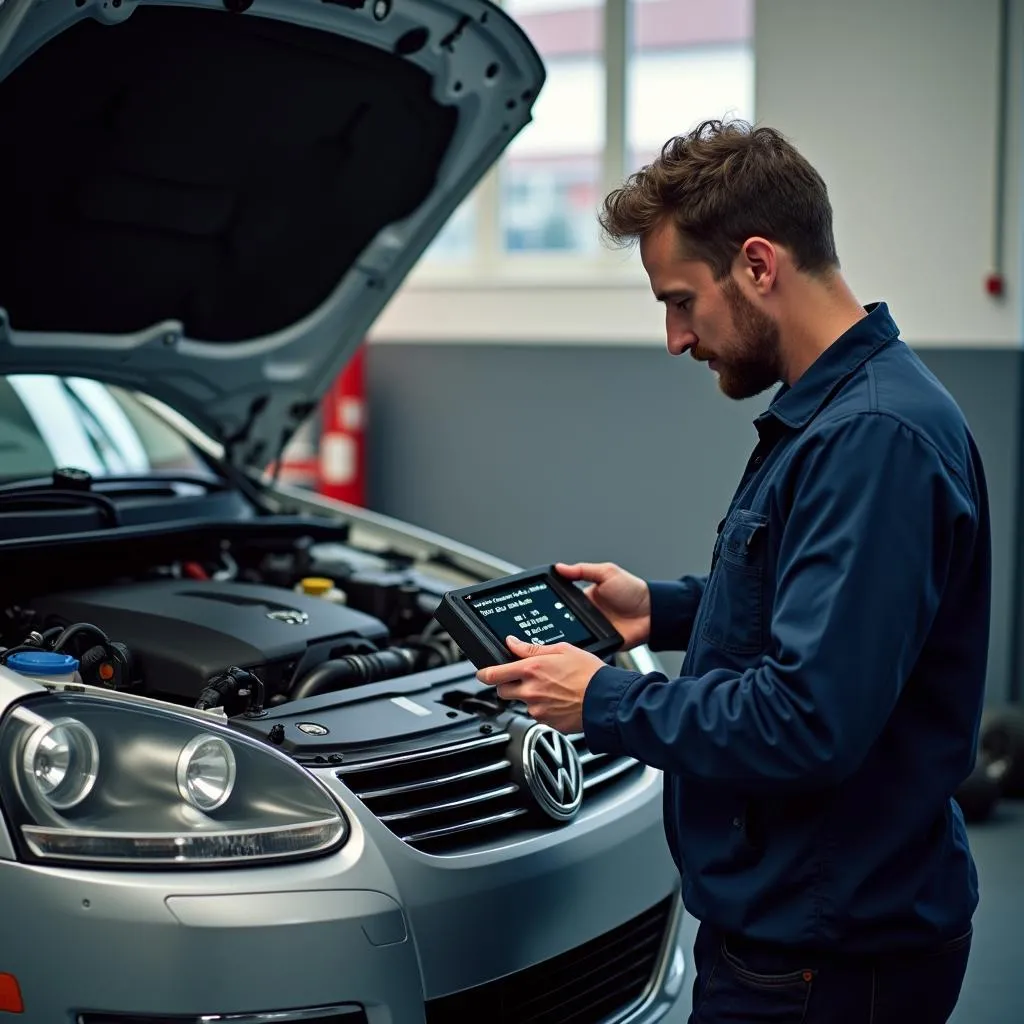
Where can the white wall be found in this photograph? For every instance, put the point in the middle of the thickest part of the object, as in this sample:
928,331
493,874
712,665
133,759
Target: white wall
895,101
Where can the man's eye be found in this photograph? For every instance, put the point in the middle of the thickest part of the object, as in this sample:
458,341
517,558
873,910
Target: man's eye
684,304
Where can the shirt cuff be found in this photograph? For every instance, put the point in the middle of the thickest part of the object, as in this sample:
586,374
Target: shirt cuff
600,704
673,609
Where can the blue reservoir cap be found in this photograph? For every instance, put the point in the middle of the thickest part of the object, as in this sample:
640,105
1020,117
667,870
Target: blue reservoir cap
42,663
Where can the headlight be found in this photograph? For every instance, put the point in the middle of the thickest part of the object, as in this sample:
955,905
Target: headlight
60,762
206,772
110,781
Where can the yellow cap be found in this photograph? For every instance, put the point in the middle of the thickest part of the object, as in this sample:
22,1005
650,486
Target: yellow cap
316,586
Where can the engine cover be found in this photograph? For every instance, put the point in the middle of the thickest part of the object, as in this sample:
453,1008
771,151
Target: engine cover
182,632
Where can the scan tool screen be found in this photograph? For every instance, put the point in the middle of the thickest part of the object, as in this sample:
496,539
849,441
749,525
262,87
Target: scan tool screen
536,605
533,612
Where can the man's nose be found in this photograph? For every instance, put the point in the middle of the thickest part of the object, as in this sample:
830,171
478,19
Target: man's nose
680,341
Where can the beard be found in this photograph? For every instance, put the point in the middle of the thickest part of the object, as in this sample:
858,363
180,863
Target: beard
752,362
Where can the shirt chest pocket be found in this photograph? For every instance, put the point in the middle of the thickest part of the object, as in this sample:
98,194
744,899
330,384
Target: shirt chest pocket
734,602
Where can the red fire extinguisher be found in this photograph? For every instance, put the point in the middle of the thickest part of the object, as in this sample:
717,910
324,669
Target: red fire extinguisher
343,435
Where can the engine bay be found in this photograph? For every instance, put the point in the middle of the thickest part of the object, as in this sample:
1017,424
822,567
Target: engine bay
314,635
244,623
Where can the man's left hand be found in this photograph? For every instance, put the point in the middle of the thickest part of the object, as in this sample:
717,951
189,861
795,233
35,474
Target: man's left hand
549,679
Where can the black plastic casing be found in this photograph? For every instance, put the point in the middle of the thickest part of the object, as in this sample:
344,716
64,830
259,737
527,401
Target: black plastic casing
482,647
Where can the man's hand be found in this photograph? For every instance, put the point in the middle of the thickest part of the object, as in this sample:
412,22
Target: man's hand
624,599
549,680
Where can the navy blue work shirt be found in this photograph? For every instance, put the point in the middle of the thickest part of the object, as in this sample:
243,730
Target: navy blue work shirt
830,699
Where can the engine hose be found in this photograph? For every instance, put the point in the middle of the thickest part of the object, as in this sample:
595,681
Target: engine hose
79,627
354,670
433,652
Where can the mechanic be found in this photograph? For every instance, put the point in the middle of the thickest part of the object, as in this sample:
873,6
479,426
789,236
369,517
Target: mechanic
829,702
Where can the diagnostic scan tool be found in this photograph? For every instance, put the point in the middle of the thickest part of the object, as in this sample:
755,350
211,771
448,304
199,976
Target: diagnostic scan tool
537,605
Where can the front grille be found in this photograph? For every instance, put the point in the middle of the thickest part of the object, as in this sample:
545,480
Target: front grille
599,981
351,1014
430,798
601,770
448,798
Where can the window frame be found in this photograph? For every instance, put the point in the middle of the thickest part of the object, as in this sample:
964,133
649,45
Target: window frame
488,264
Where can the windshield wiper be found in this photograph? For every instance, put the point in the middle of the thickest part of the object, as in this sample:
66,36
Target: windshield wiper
80,482
141,483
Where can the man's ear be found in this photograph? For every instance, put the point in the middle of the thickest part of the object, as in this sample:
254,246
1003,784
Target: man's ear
758,261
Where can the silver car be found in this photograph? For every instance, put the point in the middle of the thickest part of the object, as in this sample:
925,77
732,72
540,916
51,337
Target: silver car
244,775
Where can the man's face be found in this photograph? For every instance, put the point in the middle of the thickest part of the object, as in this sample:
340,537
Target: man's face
712,320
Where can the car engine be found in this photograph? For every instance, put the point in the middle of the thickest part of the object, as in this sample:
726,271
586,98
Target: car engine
183,633
256,630
311,637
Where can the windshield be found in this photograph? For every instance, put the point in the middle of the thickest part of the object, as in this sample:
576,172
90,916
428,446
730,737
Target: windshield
48,422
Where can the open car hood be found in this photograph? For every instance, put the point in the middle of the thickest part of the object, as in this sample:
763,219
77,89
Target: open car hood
210,201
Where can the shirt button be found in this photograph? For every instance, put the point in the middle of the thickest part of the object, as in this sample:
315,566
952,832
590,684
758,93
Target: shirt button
758,459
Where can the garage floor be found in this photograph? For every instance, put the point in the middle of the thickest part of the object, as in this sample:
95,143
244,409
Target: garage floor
994,990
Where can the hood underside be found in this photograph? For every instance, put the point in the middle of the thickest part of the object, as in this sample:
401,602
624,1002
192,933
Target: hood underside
211,201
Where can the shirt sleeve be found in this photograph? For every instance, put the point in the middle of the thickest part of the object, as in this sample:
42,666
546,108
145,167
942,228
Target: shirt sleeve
673,609
862,564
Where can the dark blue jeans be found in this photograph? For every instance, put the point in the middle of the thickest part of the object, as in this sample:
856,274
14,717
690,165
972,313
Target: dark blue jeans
742,983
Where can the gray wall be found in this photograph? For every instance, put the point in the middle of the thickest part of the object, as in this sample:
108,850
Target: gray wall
620,453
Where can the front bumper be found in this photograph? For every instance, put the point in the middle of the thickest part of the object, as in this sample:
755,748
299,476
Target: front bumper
377,933
81,942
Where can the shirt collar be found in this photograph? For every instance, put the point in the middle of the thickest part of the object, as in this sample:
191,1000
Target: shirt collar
796,406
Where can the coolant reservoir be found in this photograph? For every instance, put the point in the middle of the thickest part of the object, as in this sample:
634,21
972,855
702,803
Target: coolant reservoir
45,666
321,586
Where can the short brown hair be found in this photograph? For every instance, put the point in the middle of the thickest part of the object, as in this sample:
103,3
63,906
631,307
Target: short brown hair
723,183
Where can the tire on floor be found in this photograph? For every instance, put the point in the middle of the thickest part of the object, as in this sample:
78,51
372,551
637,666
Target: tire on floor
1002,741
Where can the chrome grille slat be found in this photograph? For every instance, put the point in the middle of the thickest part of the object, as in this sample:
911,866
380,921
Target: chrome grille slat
449,830
443,780
419,756
601,769
451,805
607,773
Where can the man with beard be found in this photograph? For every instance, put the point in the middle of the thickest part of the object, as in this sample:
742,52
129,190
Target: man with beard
829,702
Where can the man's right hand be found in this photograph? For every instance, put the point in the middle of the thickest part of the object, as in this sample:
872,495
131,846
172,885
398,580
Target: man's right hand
624,598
